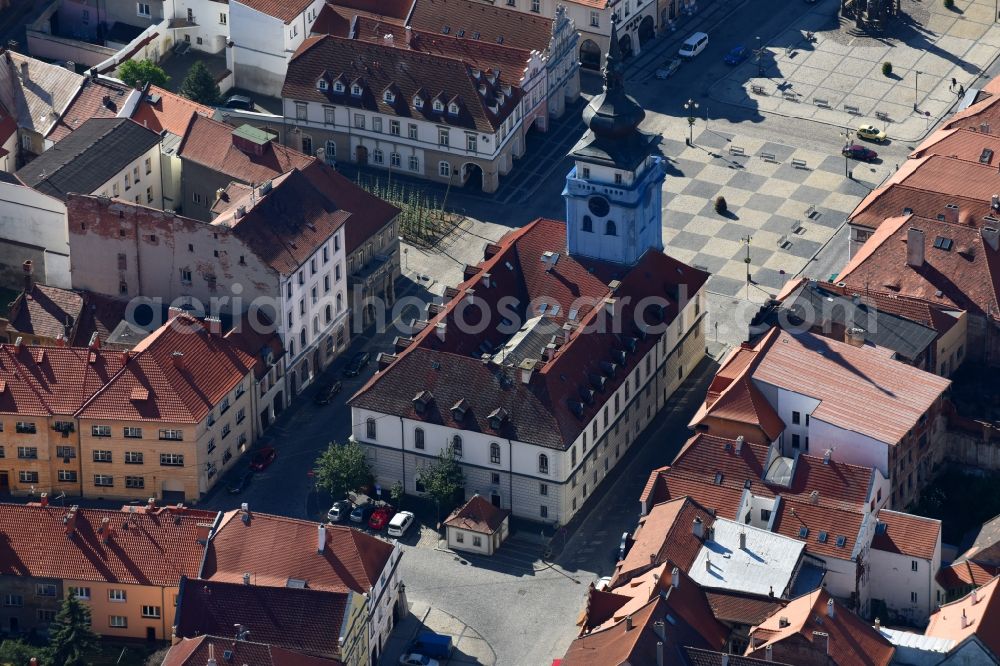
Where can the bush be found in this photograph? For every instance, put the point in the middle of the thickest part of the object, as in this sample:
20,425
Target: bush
887,68
720,205
137,73
199,85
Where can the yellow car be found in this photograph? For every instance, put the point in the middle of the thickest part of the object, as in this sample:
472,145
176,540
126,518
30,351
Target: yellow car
871,133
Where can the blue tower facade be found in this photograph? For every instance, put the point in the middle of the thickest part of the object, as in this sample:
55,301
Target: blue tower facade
614,190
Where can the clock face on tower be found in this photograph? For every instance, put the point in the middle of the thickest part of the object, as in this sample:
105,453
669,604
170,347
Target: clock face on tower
599,206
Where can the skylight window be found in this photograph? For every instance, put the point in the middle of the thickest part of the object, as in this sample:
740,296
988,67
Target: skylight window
822,537
841,540
718,478
803,532
573,312
943,243
445,30
986,157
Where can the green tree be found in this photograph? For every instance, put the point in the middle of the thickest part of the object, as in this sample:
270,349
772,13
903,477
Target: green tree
138,73
396,493
199,85
342,468
443,479
19,653
71,640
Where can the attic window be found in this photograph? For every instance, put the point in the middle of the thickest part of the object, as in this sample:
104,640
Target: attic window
461,33
322,85
418,103
986,157
803,532
573,312
718,478
943,243
907,211
822,537
338,87
841,540
453,109
475,35
445,30
388,96
356,90
500,39
438,106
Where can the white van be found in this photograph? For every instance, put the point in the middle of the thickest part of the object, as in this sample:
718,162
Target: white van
400,523
693,45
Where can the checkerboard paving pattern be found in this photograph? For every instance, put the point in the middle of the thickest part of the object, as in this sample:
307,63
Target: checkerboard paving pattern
788,212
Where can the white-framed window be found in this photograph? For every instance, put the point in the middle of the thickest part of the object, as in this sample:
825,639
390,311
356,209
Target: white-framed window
413,162
135,482
322,85
394,159
378,157
595,19
438,106
356,90
418,103
494,453
26,476
370,429
456,445
394,127
477,541
411,131
223,19
301,111
241,414
45,590
133,457
444,169
453,109
172,459
338,87
100,431
67,476
418,438
27,452
389,97
377,124
329,116
80,592
101,455
104,480
25,428
151,611
459,537
117,596
118,622
543,463
443,135
536,6
149,165
470,142
132,432
359,121
171,434
142,9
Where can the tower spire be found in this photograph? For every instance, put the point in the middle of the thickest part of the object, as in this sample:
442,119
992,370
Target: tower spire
613,114
614,67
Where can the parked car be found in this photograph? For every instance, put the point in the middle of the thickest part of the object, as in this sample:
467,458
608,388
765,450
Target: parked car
693,45
737,55
400,523
668,69
358,361
241,484
859,153
380,517
362,513
431,644
340,511
239,103
623,546
263,459
326,393
870,133
414,659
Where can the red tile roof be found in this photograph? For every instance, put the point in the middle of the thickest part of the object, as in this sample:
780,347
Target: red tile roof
307,621
975,614
494,24
961,143
288,224
927,314
43,381
552,409
477,515
665,533
260,340
742,608
275,549
894,199
967,276
89,103
794,514
197,651
907,534
144,548
861,389
185,369
947,175
48,312
382,66
338,20
284,10
397,9
965,574
210,144
170,112
852,642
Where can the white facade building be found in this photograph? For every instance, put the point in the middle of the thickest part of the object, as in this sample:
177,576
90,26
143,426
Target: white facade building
33,226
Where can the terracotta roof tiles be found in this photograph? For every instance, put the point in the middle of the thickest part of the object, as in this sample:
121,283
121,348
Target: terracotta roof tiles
488,23
907,534
477,515
169,112
48,312
967,573
90,103
195,652
665,533
742,608
975,614
284,10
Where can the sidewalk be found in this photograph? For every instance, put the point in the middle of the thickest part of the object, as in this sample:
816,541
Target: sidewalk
469,646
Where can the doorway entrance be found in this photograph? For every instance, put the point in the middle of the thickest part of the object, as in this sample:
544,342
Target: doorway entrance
362,155
151,634
646,30
4,483
495,499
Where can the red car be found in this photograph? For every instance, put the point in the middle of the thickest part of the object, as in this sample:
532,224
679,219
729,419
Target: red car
860,153
263,459
380,517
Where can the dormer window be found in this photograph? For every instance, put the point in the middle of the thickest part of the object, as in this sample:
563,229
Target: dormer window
453,109
322,85
445,30
418,103
438,106
356,90
389,97
338,87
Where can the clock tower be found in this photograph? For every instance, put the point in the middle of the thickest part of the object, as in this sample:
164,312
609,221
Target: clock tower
614,191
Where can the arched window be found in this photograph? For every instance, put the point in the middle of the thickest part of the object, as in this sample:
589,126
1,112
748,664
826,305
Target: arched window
302,337
418,438
543,464
588,224
494,453
456,445
291,347
610,229
316,324
370,428
328,313
340,302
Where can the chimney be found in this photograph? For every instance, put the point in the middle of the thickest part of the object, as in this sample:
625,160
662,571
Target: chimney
29,279
211,656
951,213
178,357
44,501
151,504
975,593
698,527
743,540
486,279
768,653
320,538
611,306
831,611
69,522
628,623
214,325
659,652
826,456
995,202
914,247
878,625
675,578
95,342
814,497
739,444
527,369
991,237
660,628
441,328
822,638
652,558
783,622
708,565
725,660
240,212
25,76
409,36
854,336
246,578
105,530
965,620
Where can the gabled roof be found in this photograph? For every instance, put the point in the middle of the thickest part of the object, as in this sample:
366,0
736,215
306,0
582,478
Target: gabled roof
96,98
301,620
479,21
145,547
286,225
966,276
699,657
852,642
210,144
169,111
88,157
965,574
184,370
38,103
985,547
742,608
975,614
45,311
284,10
477,515
560,397
197,651
907,534
379,65
275,549
665,533
962,143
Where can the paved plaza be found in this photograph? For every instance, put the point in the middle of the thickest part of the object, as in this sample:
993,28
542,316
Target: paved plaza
838,78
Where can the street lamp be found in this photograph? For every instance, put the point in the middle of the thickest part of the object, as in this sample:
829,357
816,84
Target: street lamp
916,78
847,142
691,107
760,58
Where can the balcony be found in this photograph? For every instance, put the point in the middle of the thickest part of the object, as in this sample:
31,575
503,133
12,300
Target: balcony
375,269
